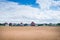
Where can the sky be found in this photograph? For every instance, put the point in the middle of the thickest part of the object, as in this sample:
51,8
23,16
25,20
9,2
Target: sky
26,11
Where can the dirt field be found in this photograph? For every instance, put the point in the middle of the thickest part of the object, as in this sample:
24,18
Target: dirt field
30,33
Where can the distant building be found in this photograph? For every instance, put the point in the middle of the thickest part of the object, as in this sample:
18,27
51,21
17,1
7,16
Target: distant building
6,24
32,24
14,24
21,24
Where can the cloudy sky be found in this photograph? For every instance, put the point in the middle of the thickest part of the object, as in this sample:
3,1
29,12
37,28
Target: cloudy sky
26,11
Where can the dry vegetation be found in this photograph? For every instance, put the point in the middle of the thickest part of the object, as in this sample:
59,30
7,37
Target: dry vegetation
30,33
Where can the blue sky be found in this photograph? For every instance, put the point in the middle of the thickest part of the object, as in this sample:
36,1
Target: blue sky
32,3
26,11
56,0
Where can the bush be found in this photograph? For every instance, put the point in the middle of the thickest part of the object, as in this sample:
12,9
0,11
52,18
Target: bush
25,24
58,24
40,24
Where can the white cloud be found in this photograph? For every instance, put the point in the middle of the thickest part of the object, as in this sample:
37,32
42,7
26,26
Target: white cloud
47,13
13,12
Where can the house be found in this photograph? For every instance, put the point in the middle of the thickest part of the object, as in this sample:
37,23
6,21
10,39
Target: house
32,24
6,24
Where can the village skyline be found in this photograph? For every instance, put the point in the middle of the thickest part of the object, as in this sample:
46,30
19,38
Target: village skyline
27,24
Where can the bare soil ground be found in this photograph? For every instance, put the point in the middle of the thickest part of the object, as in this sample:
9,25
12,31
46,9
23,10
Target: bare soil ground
30,33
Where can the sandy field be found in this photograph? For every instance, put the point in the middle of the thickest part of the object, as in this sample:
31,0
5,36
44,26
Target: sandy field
30,33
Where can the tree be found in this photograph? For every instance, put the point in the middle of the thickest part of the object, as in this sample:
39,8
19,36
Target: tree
10,24
58,24
2,24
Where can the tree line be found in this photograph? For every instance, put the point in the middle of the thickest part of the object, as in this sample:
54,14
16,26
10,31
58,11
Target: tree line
26,24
